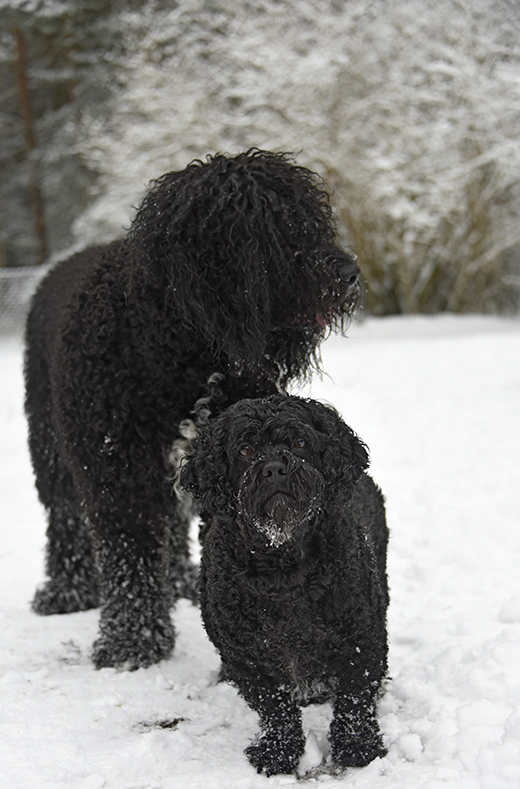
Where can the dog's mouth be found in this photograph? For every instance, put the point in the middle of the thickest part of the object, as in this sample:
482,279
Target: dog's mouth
285,519
324,320
321,319
280,506
280,494
338,308
337,289
274,534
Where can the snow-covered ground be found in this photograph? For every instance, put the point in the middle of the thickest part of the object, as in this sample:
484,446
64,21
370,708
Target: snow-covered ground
438,402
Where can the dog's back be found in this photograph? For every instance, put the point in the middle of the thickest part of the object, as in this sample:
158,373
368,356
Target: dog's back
53,310
55,297
368,505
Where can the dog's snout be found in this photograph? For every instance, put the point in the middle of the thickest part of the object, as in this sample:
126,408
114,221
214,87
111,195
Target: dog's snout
349,273
274,469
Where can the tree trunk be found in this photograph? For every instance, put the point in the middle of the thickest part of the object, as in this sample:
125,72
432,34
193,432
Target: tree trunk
33,179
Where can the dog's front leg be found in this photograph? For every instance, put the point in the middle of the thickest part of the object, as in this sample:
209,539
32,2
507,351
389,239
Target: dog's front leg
135,625
281,741
354,733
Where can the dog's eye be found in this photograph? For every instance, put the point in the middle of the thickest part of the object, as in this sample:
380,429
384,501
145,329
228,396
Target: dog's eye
300,443
245,450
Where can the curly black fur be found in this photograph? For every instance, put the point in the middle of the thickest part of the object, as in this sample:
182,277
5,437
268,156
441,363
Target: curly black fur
293,584
230,274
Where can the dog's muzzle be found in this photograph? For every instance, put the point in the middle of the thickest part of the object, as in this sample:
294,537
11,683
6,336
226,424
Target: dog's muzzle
279,494
349,275
343,294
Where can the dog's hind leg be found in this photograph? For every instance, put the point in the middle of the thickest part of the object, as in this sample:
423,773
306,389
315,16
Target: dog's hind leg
72,583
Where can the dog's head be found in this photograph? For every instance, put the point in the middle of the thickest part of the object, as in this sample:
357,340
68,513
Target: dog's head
246,249
273,464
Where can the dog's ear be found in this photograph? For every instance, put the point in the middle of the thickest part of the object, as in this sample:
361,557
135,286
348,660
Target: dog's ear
354,452
346,455
189,476
204,472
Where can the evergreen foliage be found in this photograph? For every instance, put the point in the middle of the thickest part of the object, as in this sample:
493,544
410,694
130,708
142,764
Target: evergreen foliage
410,109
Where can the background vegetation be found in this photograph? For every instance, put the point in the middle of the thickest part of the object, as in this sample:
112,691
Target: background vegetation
410,109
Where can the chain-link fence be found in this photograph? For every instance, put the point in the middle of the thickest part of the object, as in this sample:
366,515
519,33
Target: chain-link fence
16,288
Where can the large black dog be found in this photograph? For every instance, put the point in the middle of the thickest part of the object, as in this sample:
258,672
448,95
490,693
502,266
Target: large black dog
230,268
293,573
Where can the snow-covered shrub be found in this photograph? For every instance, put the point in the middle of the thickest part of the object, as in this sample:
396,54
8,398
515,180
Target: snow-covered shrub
410,109
427,121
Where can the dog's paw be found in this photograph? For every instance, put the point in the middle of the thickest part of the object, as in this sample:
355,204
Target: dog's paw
54,597
274,755
132,651
357,751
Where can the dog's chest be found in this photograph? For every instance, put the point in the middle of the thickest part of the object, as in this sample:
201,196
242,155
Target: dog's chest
290,614
289,625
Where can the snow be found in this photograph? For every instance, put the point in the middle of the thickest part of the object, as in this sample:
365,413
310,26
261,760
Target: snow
437,401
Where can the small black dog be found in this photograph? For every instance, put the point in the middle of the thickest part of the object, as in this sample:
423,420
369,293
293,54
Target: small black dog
230,274
293,577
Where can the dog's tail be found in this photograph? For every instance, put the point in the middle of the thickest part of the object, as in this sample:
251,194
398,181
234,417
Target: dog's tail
213,400
204,408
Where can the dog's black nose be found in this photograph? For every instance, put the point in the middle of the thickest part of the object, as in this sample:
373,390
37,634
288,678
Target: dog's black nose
349,273
274,468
